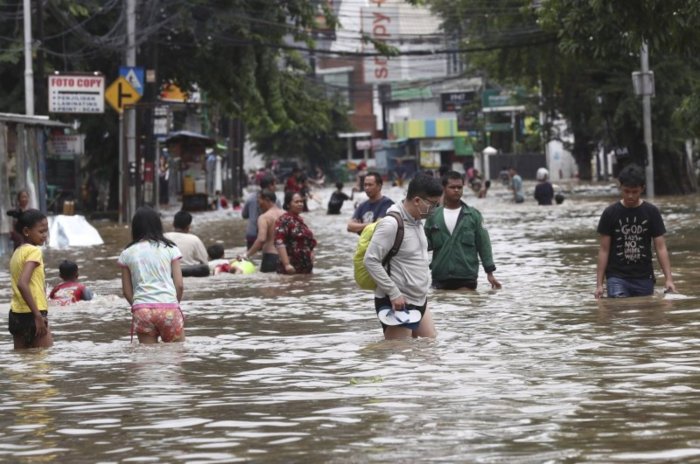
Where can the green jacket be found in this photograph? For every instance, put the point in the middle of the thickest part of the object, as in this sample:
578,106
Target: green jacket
457,256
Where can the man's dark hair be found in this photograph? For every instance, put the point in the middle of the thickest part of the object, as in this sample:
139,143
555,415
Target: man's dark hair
266,181
377,177
339,185
215,251
268,195
68,270
454,175
423,186
182,220
632,175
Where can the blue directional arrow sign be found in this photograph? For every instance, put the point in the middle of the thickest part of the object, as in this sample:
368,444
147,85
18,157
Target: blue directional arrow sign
134,75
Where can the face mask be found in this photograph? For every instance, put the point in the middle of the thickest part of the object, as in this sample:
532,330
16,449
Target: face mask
429,209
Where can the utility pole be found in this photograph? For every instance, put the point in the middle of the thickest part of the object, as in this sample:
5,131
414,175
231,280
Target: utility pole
130,60
647,78
28,72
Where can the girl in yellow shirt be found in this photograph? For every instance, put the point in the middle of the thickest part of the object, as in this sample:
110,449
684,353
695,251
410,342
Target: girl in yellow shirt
28,320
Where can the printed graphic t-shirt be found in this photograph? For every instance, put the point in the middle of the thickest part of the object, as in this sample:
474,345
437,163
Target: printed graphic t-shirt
23,254
369,212
631,231
150,264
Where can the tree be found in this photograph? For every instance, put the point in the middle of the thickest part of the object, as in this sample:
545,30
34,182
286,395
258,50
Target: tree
580,56
234,50
314,122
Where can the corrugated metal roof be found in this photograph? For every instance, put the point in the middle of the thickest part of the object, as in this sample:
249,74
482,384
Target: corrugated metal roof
31,120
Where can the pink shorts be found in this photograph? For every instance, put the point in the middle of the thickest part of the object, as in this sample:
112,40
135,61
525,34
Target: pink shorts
166,322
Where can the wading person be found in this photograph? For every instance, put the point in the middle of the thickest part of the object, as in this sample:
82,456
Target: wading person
544,192
28,321
195,259
294,240
627,229
266,232
152,280
338,197
70,290
251,210
374,208
400,298
516,185
458,239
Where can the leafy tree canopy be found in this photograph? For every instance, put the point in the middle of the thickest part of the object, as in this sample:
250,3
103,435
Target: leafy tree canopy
580,55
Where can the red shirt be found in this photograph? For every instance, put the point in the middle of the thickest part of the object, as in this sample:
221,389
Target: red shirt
292,185
70,292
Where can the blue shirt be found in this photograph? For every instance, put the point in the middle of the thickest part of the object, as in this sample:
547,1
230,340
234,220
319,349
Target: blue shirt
517,184
369,212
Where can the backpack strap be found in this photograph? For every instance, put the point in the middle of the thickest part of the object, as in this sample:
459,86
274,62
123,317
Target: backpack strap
386,262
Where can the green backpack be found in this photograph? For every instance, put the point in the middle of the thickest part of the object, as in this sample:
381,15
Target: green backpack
362,277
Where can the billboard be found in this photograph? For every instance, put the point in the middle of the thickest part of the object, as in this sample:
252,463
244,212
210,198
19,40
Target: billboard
380,22
77,93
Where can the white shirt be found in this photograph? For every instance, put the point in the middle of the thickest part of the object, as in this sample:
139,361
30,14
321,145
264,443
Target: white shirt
150,265
451,216
191,247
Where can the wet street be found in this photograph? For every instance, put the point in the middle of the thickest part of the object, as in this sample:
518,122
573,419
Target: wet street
295,368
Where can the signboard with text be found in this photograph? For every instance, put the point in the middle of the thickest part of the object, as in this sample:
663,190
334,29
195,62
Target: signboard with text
454,101
381,23
76,93
65,146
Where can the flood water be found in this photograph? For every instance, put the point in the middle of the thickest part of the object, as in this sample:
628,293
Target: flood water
295,369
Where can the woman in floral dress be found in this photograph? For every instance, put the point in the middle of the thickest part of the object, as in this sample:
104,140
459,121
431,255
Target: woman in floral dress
294,240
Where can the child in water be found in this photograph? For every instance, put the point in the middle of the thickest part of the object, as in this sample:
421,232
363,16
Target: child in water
28,321
217,263
152,280
70,290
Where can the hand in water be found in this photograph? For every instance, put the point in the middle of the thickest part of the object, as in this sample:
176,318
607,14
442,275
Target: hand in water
40,324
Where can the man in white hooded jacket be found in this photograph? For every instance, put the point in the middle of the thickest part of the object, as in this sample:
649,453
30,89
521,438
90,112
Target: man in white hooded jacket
402,287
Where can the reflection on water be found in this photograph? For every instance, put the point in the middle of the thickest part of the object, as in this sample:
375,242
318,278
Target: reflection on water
294,368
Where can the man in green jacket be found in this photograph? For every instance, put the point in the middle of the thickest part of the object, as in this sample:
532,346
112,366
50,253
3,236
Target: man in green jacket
458,239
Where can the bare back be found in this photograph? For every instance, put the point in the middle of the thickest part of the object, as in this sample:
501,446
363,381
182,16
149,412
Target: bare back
268,219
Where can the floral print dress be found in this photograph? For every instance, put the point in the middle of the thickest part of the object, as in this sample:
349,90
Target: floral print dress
292,233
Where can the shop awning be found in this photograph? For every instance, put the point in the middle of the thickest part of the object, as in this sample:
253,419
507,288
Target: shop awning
426,128
181,136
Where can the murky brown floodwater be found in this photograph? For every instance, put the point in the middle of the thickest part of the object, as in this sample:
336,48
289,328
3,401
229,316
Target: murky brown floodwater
295,369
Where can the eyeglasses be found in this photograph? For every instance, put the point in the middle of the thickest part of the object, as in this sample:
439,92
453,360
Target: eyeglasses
431,204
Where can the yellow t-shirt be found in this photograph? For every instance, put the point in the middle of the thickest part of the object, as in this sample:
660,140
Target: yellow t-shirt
37,283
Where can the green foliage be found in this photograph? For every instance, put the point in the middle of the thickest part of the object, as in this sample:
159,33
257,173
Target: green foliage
313,124
580,54
233,50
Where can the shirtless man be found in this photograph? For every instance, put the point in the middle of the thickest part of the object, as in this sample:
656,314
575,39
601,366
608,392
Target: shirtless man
265,241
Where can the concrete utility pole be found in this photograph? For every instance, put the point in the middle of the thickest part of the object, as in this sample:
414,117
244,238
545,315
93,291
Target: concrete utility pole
130,122
646,112
28,72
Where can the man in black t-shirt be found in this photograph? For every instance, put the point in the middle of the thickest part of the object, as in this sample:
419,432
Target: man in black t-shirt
337,199
627,229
